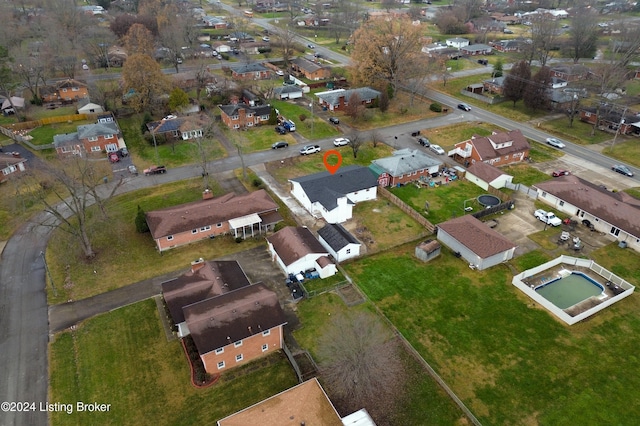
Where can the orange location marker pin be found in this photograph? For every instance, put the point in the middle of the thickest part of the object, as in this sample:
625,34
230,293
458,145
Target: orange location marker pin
332,168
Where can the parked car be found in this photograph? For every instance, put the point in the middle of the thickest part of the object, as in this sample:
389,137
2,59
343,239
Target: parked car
437,149
341,141
124,152
415,133
114,157
547,217
558,173
309,149
555,142
622,169
281,130
311,46
265,38
280,144
155,170
133,170
334,120
507,31
424,142
280,73
464,107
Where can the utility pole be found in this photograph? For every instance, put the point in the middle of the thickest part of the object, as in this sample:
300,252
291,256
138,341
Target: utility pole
618,129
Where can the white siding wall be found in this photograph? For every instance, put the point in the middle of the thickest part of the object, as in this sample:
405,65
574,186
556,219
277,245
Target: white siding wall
476,180
501,181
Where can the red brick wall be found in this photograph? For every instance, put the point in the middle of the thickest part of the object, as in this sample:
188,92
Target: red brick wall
251,349
408,178
188,237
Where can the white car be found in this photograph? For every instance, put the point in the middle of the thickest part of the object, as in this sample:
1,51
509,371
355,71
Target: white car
280,73
341,142
265,38
309,149
555,142
437,149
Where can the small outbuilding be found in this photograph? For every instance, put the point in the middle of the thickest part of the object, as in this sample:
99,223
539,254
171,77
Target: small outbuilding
428,250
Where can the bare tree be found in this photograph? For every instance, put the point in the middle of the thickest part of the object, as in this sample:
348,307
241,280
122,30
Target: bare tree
544,34
536,92
516,82
360,363
76,184
287,41
355,142
375,137
354,107
583,35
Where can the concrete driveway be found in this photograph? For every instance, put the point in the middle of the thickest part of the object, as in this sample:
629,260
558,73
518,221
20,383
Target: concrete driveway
518,223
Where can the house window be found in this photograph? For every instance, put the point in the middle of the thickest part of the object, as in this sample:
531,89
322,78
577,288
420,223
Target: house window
236,126
249,123
194,231
265,347
95,149
237,344
92,139
234,117
561,203
348,251
205,228
108,136
220,365
219,351
250,114
266,332
239,357
219,225
64,90
544,194
170,237
264,117
75,89
614,231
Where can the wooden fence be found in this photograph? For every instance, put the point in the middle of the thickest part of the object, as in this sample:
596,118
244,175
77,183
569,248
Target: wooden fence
17,131
406,208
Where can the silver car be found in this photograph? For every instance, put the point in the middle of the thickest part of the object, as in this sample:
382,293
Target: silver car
555,142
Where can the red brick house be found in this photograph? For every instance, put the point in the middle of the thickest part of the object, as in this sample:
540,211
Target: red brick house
498,149
310,70
242,216
240,115
571,72
11,163
65,91
405,165
90,138
337,100
610,120
494,85
252,71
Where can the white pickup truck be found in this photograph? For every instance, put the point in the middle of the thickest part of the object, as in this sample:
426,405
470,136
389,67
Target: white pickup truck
547,217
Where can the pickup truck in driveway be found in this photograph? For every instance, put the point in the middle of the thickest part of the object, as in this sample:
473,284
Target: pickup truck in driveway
155,170
309,149
547,217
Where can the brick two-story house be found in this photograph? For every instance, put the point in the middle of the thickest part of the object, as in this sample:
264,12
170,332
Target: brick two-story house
240,115
498,149
90,138
65,91
310,70
242,216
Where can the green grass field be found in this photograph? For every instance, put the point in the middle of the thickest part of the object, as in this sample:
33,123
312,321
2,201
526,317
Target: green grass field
123,358
510,361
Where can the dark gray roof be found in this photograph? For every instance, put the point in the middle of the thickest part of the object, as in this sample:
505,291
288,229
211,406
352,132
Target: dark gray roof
333,97
289,88
67,139
498,81
252,67
405,161
325,188
165,126
97,129
477,47
336,236
232,109
307,65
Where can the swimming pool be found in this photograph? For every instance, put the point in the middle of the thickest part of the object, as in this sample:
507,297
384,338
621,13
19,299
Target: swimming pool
566,291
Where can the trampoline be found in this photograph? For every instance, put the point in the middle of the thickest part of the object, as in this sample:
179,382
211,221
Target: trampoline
488,200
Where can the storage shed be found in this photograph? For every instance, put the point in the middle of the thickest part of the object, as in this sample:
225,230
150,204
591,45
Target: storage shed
427,250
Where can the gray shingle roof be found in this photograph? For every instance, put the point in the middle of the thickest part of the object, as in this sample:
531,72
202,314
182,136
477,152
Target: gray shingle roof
404,161
289,88
97,129
336,236
165,126
232,109
333,97
307,65
252,67
66,139
325,188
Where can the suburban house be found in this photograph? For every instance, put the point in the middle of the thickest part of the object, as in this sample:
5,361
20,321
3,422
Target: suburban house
457,42
476,49
296,250
11,163
251,71
250,98
498,149
614,213
236,327
240,115
494,85
184,128
65,91
332,196
485,175
9,105
475,242
90,138
239,215
404,165
611,120
511,45
310,69
339,242
204,281
337,100
214,22
188,80
303,404
85,106
290,91
570,72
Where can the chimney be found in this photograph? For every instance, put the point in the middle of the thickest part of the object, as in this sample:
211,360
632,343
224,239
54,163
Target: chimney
207,194
197,264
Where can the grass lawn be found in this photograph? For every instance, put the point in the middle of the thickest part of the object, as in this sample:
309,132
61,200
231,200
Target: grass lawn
445,201
125,256
123,358
303,165
448,136
627,151
526,175
44,134
423,403
258,138
312,127
579,133
510,361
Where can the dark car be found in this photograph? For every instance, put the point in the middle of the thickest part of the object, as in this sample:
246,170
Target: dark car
281,130
624,170
464,107
558,173
278,145
415,133
124,152
334,120
424,142
155,170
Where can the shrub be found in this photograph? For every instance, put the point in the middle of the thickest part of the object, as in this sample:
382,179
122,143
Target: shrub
141,222
435,107
238,240
257,183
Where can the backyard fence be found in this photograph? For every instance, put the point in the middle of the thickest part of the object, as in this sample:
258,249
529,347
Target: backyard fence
491,210
529,192
406,208
18,131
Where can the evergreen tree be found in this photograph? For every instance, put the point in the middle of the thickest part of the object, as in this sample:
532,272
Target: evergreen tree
141,221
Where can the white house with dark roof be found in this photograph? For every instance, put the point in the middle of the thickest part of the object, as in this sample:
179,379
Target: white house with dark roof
457,42
615,213
296,249
485,175
332,196
339,242
475,242
336,100
290,91
404,165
